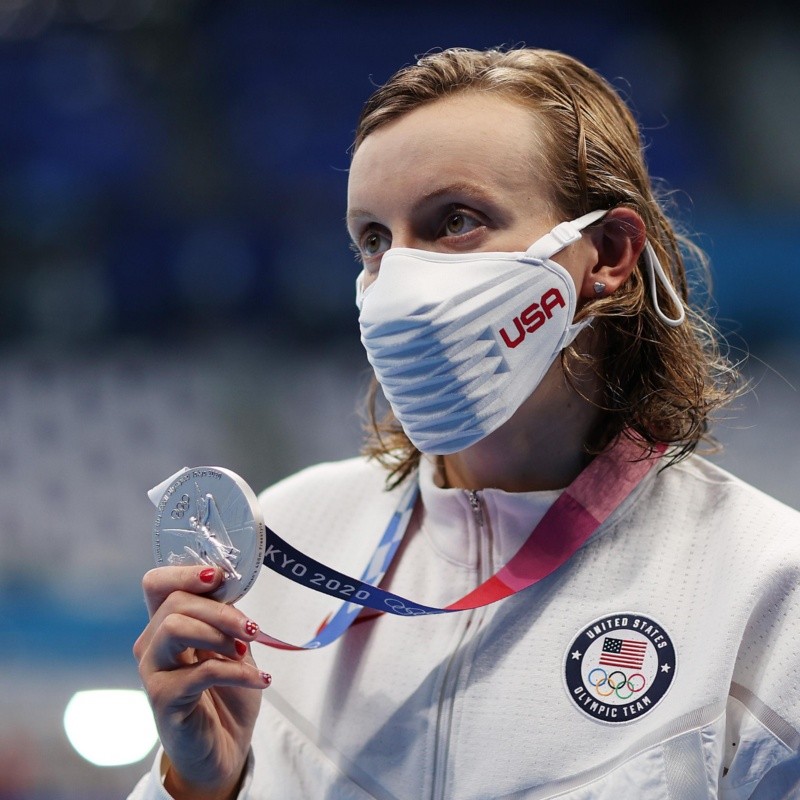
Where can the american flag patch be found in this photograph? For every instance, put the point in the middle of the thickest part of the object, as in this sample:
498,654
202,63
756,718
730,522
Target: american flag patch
619,667
627,653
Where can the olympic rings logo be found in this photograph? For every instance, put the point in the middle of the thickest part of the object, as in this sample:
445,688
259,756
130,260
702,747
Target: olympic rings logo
615,681
181,507
401,608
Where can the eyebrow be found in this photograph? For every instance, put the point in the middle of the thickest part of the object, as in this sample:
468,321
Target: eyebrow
473,189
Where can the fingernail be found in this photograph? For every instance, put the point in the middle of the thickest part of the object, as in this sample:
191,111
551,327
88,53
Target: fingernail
250,627
241,647
207,575
266,678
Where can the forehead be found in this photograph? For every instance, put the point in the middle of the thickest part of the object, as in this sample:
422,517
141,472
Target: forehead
470,138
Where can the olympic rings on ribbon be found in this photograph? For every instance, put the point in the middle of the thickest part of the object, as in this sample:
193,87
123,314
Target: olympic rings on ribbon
597,682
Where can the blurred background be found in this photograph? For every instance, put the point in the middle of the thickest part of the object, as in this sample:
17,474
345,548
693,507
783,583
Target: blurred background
176,287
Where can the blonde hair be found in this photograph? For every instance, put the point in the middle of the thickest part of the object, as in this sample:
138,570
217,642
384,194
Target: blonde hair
661,383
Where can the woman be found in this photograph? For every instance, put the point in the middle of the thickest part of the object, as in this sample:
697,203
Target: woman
539,362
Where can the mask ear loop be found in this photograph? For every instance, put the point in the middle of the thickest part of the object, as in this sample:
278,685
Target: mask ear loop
564,234
654,269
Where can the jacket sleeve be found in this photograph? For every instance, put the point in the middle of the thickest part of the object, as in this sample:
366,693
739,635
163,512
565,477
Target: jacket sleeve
782,782
761,758
762,747
151,786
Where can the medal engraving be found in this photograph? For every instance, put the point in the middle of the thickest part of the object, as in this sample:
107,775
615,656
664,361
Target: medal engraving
212,544
209,516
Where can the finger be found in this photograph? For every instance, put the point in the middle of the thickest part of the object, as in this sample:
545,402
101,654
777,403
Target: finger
178,634
226,618
161,582
221,615
223,673
181,689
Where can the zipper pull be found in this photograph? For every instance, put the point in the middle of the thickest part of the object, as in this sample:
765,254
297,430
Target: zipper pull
477,508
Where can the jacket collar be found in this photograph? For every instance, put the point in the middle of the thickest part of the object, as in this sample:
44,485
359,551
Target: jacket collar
451,524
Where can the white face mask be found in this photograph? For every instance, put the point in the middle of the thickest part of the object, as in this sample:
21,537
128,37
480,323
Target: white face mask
459,342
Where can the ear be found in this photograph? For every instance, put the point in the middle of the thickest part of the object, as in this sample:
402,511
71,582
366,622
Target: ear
619,239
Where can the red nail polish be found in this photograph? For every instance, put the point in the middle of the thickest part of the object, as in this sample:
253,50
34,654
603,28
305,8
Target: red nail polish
251,628
207,575
241,647
266,678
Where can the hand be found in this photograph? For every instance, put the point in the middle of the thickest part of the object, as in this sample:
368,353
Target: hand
201,680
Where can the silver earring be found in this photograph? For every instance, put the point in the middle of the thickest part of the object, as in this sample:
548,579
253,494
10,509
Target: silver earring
599,288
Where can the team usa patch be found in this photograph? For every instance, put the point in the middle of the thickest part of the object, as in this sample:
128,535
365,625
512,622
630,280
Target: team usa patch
619,667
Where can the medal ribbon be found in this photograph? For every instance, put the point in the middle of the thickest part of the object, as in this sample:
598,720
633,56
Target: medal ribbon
577,513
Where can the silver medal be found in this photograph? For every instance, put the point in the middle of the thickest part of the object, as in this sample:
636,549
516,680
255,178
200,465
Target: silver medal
210,516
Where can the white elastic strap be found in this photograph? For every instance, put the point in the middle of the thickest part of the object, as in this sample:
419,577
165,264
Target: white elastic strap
563,234
654,269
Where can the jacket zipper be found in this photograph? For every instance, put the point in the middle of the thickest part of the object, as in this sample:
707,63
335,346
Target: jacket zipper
444,716
477,509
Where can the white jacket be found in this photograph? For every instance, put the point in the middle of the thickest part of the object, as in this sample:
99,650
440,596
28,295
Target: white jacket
696,568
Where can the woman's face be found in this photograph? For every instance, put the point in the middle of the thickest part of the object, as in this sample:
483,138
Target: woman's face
460,174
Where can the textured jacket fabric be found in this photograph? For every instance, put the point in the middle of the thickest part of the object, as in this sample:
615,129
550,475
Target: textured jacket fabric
661,661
